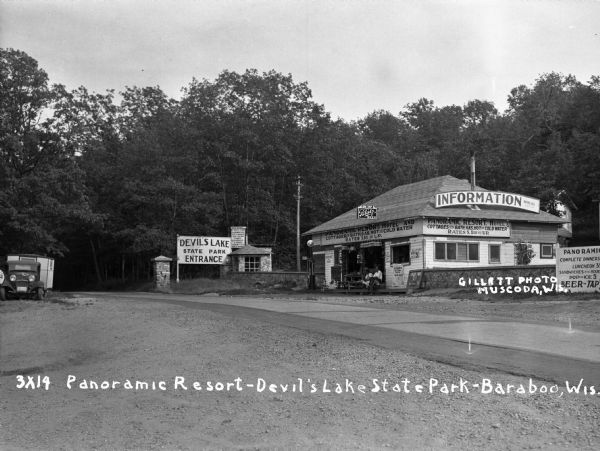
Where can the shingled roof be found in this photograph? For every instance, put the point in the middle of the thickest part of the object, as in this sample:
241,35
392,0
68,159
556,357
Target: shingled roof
417,200
251,250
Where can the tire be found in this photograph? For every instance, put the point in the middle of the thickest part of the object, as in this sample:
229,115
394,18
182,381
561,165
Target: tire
2,294
39,294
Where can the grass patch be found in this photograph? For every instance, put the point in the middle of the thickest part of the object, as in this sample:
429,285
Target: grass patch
227,287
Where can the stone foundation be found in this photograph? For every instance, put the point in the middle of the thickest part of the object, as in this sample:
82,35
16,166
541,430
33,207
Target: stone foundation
449,277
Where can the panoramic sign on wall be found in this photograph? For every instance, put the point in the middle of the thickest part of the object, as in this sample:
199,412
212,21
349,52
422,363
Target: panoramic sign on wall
578,268
202,250
466,227
489,198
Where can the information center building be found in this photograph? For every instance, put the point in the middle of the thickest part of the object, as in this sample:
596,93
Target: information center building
435,223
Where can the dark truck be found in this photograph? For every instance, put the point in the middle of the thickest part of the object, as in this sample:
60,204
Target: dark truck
25,276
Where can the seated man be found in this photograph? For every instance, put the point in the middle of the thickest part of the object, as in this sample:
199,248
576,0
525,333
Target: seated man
375,279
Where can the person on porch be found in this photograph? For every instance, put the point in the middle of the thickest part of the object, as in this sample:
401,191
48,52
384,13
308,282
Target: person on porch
367,279
375,279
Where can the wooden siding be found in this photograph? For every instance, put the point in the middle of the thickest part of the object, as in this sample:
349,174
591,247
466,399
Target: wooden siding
534,233
506,253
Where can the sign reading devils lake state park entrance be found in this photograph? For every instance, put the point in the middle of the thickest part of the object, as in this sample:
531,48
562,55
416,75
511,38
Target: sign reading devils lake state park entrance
202,250
489,198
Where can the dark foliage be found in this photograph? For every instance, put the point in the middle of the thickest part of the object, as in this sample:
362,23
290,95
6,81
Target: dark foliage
105,187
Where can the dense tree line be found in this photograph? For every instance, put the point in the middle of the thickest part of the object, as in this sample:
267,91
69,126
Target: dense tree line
104,182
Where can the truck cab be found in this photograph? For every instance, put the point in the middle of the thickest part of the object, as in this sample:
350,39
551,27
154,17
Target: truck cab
26,276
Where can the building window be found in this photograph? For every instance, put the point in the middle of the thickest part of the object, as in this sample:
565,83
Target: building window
440,251
401,254
546,250
473,252
457,251
251,264
494,253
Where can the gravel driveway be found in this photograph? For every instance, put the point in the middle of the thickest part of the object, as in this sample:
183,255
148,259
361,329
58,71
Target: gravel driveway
258,386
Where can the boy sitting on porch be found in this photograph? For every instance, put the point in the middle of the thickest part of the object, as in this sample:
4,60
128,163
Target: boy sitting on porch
375,279
367,279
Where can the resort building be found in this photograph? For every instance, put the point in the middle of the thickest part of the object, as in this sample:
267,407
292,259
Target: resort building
435,223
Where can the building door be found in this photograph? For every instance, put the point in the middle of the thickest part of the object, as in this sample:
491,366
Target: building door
400,265
353,261
373,255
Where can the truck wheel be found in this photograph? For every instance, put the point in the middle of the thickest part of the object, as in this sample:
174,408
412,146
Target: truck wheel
39,294
2,294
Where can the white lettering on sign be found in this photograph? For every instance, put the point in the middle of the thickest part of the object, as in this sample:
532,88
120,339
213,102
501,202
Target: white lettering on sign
492,198
578,269
202,250
466,227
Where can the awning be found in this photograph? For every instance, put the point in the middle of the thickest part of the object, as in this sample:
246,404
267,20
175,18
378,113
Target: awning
371,244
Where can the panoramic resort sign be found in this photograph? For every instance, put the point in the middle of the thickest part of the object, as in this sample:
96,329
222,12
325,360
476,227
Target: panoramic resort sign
497,228
489,198
578,268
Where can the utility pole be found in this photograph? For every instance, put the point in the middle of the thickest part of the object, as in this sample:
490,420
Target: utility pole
298,197
472,171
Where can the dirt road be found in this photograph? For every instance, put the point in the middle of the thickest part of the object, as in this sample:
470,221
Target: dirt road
110,341
545,350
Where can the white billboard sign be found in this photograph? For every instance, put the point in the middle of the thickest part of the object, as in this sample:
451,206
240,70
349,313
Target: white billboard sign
202,250
490,198
498,228
578,268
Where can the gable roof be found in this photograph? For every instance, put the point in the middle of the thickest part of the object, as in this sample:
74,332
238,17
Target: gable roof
418,200
251,250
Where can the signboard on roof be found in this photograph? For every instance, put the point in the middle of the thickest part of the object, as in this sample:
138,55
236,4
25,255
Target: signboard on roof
488,198
202,250
366,212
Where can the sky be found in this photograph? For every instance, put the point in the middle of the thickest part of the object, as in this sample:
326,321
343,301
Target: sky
357,56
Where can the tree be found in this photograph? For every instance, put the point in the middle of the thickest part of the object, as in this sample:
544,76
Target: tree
42,194
252,132
556,124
